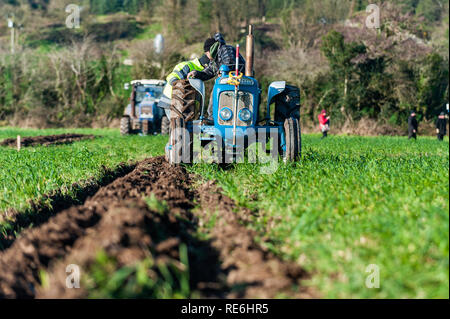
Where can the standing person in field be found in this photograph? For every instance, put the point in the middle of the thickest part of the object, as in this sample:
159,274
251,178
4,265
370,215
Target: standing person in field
324,123
441,126
413,126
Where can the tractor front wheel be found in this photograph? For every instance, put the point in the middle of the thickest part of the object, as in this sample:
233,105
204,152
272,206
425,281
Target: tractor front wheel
293,140
125,125
180,144
165,125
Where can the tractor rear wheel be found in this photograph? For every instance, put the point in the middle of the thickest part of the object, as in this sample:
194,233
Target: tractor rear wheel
186,101
180,150
165,125
293,140
125,125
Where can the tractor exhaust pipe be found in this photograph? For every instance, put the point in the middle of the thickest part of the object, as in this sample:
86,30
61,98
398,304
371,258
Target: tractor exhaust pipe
249,52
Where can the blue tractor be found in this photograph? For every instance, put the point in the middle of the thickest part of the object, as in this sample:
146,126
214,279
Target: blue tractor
142,115
236,122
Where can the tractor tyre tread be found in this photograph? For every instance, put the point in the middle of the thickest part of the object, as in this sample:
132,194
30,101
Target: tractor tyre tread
165,125
125,126
293,139
185,100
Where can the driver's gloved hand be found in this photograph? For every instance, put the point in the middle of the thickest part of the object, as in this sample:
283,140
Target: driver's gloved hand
192,74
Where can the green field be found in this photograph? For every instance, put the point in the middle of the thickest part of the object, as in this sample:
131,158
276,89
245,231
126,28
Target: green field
350,202
35,171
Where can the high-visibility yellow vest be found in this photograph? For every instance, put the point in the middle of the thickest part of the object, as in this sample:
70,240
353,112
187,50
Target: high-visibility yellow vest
180,72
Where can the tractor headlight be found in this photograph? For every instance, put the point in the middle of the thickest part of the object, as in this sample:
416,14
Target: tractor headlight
245,115
226,114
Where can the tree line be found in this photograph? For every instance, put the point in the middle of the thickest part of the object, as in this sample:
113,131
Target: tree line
353,73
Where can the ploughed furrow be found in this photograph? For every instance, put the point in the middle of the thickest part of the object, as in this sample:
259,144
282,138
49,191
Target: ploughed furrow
128,233
38,248
47,140
51,204
248,265
152,218
133,230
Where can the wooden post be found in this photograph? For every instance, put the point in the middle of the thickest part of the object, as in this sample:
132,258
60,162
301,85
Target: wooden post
19,143
249,52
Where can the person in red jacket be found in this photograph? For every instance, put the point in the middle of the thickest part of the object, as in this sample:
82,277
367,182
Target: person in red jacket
324,122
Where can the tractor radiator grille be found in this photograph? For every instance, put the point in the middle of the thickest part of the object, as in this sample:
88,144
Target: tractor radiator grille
227,100
146,111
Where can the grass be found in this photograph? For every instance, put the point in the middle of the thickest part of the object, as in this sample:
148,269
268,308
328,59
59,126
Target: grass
35,171
145,279
352,202
157,206
150,32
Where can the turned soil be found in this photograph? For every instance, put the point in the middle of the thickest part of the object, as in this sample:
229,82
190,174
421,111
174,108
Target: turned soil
119,221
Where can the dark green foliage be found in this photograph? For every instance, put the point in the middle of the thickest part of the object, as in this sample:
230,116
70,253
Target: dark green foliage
433,85
111,6
39,4
33,4
5,92
205,8
92,87
380,87
114,30
353,75
430,9
340,54
12,2
354,80
102,32
57,34
273,5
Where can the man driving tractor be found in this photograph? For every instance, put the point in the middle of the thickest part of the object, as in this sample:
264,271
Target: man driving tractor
180,72
216,53
220,54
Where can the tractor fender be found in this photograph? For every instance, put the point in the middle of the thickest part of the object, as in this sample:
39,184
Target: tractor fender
275,88
199,86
